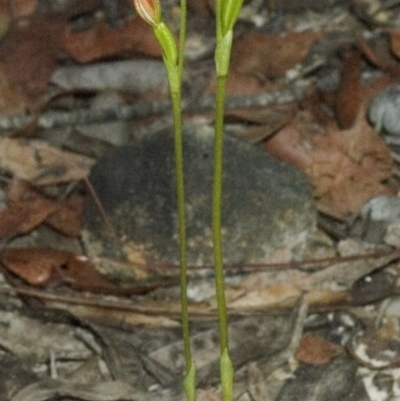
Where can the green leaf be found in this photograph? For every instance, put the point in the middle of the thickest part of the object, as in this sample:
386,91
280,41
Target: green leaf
167,42
229,14
223,54
226,376
190,383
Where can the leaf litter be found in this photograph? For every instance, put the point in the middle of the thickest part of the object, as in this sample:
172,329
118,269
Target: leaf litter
330,138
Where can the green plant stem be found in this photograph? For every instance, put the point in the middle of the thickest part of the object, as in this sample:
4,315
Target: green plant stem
177,114
216,212
182,38
218,20
226,364
176,103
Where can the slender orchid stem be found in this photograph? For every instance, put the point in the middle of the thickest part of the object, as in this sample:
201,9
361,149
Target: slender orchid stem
216,212
227,12
150,11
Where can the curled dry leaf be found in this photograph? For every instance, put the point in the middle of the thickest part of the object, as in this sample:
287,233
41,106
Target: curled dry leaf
42,164
51,267
42,267
346,167
271,55
27,209
67,218
11,99
200,7
315,350
102,41
29,53
24,8
395,42
50,388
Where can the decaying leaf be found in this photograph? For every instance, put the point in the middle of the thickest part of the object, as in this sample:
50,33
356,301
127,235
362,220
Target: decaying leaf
328,286
11,99
42,164
67,218
28,208
346,167
51,267
395,42
102,41
271,55
29,53
315,350
50,388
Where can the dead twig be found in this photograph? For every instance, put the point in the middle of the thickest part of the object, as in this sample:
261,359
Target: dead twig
51,120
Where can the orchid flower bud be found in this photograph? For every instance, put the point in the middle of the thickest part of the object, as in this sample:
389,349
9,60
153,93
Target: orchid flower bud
149,11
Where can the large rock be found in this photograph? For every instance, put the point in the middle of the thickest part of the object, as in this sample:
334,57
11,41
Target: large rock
267,204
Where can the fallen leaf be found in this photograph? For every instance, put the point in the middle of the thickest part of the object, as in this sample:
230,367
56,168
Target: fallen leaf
27,209
102,41
11,99
5,18
29,53
42,267
67,218
104,391
51,267
239,83
395,42
200,7
346,167
261,123
271,55
24,8
42,164
315,350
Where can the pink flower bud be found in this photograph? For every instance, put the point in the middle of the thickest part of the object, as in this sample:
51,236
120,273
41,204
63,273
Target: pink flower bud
149,11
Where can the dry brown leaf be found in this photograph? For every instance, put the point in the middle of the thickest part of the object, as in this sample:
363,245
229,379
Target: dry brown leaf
315,350
241,84
264,121
280,295
29,53
5,17
52,388
67,219
27,209
271,55
11,99
200,7
49,266
346,167
395,42
24,8
41,164
114,317
102,41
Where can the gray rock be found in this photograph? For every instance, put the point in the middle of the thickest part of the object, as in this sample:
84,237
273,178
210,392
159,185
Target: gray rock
267,204
384,110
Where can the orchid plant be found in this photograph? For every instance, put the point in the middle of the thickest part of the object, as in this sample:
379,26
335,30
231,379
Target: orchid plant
227,12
